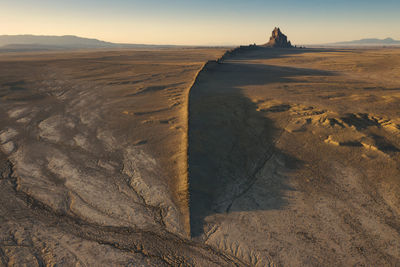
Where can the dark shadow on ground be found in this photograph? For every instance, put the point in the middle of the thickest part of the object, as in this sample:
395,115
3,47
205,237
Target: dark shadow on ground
269,53
230,141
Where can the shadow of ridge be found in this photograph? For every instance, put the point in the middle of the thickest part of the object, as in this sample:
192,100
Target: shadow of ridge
230,142
260,52
223,77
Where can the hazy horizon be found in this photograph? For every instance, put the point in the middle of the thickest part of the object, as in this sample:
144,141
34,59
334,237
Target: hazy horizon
221,22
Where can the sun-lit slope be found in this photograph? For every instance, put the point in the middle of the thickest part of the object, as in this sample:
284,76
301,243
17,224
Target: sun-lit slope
294,157
93,158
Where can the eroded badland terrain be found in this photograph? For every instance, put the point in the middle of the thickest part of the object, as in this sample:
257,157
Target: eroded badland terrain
268,157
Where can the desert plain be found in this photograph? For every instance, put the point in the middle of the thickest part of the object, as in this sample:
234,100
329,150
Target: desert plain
198,157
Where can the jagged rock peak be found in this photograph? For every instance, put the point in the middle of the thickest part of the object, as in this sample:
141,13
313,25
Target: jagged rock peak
278,40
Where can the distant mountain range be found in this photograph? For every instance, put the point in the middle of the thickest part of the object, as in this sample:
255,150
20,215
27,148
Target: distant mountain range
14,43
368,42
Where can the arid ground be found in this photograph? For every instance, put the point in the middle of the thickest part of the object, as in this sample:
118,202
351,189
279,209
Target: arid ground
266,157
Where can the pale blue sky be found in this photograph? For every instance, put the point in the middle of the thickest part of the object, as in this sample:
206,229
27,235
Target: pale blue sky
206,22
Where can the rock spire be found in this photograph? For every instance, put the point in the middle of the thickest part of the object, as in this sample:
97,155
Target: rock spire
278,40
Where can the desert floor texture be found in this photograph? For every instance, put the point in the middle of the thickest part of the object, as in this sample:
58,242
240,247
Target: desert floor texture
265,157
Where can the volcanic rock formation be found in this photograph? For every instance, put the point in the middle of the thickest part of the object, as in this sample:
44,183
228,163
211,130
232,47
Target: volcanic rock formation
278,40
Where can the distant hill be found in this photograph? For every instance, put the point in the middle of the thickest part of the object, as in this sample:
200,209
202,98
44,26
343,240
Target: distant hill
369,42
11,43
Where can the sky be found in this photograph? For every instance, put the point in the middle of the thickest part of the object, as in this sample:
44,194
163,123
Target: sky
203,22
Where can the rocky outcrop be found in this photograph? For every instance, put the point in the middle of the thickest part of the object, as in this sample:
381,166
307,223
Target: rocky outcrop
278,40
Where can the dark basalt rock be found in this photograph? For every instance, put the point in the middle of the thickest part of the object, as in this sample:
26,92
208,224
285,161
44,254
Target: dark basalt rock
278,40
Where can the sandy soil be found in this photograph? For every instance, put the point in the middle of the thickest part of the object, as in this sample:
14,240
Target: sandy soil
151,158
